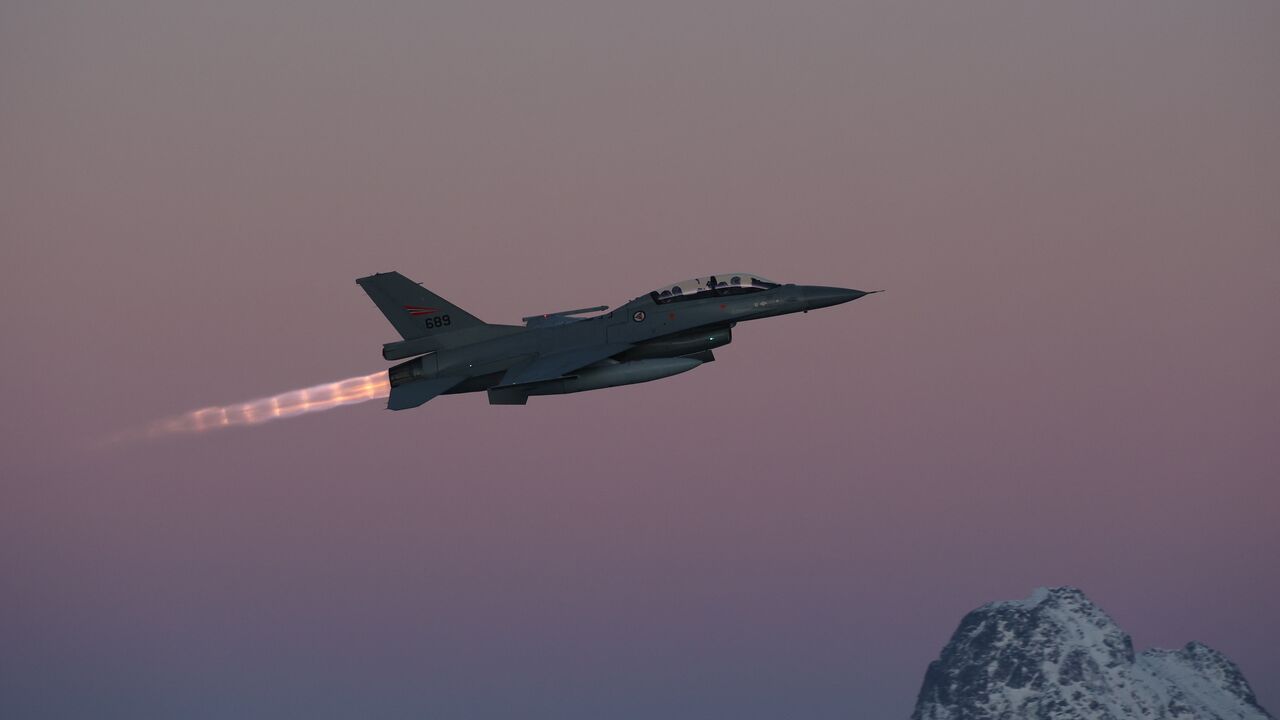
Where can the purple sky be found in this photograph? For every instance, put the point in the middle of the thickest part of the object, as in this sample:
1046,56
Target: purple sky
1072,379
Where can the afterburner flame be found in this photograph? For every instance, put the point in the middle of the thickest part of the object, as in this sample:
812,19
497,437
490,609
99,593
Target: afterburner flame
285,405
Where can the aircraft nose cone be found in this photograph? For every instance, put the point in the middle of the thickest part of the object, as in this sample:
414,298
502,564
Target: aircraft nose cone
817,296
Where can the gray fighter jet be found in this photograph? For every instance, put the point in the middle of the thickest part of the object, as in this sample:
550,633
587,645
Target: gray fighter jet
669,331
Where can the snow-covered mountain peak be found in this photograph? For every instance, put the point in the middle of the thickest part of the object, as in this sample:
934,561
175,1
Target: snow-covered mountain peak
1057,656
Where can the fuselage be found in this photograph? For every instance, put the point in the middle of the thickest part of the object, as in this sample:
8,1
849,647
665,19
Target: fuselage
651,327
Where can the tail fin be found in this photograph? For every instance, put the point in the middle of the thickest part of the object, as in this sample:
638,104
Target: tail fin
413,310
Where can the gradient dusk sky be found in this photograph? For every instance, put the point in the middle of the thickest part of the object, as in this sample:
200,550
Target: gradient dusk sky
1072,379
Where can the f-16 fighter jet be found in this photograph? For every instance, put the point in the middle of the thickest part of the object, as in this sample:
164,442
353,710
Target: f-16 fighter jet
666,332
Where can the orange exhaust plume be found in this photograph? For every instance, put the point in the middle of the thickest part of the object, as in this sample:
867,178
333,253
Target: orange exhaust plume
285,405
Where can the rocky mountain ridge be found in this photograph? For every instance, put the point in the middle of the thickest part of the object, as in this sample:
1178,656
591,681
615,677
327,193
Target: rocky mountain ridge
1057,656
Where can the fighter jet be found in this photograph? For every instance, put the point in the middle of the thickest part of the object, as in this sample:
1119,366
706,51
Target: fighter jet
666,332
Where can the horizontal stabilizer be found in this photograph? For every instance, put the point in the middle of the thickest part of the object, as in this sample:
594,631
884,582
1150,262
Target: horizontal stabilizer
412,394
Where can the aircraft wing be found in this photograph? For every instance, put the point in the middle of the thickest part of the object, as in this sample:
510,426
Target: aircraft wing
548,366
413,394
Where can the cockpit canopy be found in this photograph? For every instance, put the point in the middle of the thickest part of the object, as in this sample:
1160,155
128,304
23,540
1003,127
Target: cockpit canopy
711,286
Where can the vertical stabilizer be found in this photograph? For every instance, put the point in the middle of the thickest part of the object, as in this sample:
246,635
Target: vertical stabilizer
413,310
